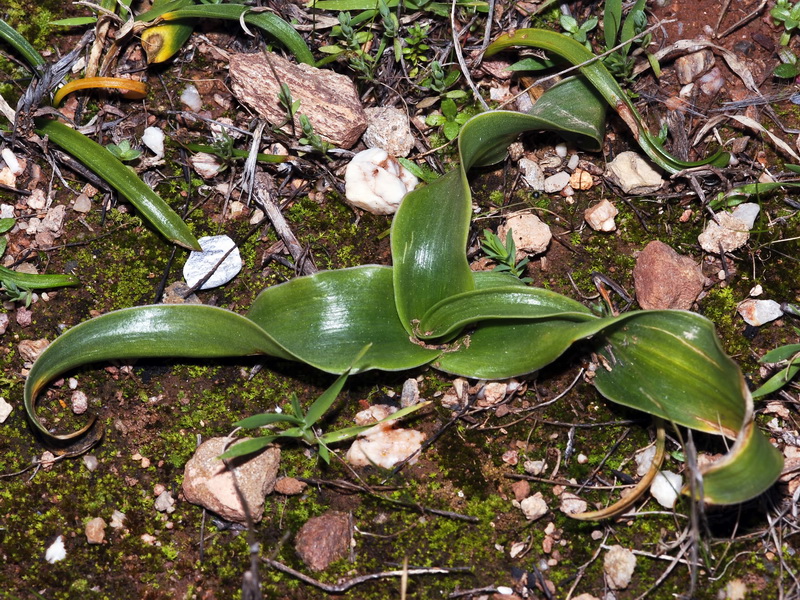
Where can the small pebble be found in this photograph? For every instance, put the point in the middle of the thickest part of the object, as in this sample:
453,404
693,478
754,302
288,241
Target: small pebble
153,138
561,150
665,488
191,98
96,531
90,462
573,162
56,551
534,507
199,264
80,403
117,519
5,410
557,182
759,312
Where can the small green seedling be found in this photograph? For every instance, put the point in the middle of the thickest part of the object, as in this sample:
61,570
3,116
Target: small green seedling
505,255
302,425
450,120
578,31
788,14
124,151
788,357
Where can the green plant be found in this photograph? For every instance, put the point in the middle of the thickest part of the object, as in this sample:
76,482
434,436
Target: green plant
415,49
429,308
17,287
102,162
505,255
450,119
788,14
616,31
124,151
787,357
303,424
578,31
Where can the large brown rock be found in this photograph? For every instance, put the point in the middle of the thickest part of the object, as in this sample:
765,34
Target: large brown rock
207,480
328,99
324,539
665,279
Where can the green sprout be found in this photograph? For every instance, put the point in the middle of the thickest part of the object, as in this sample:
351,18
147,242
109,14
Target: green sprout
505,255
578,31
789,14
302,425
124,151
450,120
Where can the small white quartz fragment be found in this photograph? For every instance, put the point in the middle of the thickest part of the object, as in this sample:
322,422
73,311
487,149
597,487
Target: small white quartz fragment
665,488
534,507
600,217
759,312
747,213
56,552
384,446
531,235
12,162
618,566
5,410
199,264
191,98
633,174
557,182
376,182
153,138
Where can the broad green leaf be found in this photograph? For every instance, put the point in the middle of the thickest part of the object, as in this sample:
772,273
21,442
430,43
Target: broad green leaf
192,331
670,364
162,42
121,178
525,303
598,75
271,23
429,237
328,318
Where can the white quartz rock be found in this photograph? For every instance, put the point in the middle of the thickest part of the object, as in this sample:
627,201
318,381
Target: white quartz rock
56,551
600,217
633,174
759,312
665,488
153,138
191,98
531,235
376,182
200,264
384,446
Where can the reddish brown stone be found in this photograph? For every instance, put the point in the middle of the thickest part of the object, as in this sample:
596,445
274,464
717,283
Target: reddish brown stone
665,279
324,539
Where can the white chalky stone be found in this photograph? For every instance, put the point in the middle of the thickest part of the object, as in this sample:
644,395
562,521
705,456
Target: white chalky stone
200,263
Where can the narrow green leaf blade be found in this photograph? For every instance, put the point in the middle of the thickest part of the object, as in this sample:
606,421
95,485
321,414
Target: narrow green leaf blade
21,45
37,282
121,178
325,401
271,23
263,419
250,446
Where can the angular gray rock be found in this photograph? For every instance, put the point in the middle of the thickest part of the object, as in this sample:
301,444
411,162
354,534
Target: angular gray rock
388,128
665,279
207,481
324,539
